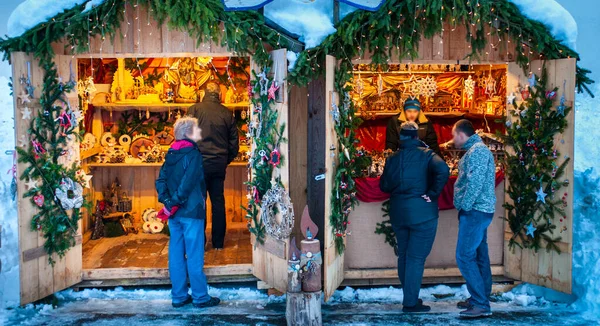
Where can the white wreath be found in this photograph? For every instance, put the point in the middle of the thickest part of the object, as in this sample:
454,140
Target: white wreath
70,194
277,196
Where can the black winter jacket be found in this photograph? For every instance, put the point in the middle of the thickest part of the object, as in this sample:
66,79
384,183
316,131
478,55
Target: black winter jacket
181,182
220,140
410,173
426,133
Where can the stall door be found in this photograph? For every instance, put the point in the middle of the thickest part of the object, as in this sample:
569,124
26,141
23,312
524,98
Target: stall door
269,260
38,278
333,264
548,269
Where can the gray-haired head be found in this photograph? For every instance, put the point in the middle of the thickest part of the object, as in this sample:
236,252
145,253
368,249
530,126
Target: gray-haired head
184,127
409,130
213,88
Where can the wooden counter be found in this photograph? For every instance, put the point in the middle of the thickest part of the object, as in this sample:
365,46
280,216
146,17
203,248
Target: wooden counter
367,250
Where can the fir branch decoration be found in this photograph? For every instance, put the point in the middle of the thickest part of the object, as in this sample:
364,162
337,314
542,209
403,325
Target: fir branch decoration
532,166
395,30
267,136
57,225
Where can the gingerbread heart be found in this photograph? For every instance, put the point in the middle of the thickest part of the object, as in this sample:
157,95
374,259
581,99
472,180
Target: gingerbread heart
38,200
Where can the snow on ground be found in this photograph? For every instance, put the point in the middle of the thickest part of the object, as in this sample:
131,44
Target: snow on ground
9,253
243,306
586,215
549,12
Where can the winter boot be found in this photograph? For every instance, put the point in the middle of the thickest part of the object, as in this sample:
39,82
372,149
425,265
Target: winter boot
210,303
464,305
475,312
183,303
419,307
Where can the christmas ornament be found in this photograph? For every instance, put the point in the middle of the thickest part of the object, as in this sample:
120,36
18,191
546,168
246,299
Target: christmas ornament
531,229
263,83
541,195
510,99
70,194
277,196
274,87
84,177
532,80
38,200
359,86
38,148
26,113
23,97
275,158
490,86
379,85
469,87
525,94
551,95
31,184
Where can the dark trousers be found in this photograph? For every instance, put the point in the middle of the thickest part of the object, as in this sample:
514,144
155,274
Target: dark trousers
472,255
414,245
215,188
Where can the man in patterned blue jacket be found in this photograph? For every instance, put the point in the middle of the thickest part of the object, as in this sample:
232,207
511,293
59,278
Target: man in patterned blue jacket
475,200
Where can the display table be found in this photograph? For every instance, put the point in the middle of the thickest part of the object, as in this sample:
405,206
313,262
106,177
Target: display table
366,249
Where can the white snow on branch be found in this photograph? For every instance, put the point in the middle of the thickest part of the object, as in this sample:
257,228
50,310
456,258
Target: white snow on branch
550,13
30,13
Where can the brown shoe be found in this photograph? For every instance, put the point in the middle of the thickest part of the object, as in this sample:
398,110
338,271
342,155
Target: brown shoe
464,305
475,312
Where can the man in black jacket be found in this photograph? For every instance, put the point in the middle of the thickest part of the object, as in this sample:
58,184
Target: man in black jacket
415,177
180,187
412,112
219,146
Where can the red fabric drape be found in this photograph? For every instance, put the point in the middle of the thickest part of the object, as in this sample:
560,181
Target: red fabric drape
367,190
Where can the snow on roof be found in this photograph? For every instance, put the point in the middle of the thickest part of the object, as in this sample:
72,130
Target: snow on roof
311,20
550,13
30,13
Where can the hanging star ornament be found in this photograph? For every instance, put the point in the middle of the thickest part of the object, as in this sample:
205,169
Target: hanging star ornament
510,99
31,184
26,113
532,80
531,229
541,195
561,107
85,178
274,87
23,97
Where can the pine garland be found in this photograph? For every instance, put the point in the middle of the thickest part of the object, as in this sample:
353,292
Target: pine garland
398,26
57,225
265,158
532,165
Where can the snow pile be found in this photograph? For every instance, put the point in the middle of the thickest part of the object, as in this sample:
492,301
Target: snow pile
230,295
30,13
558,20
312,22
9,252
586,214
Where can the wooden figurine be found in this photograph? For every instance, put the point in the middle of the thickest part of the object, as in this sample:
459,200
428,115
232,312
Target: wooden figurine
310,258
294,269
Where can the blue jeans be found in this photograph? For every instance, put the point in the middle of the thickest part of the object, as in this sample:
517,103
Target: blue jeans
186,257
472,256
414,245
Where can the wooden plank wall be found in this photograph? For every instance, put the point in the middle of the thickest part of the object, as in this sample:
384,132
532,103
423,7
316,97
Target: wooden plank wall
334,263
152,39
138,183
551,270
298,152
38,278
316,195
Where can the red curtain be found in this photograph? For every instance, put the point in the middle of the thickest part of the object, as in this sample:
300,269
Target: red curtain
367,190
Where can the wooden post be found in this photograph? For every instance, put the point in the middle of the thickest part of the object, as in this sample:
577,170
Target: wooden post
304,309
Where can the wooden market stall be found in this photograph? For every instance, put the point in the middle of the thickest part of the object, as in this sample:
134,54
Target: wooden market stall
367,259
131,88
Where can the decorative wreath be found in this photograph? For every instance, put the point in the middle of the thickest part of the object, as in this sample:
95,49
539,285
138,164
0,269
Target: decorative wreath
277,196
70,194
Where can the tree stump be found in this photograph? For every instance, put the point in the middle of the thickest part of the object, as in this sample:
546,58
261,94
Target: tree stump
304,309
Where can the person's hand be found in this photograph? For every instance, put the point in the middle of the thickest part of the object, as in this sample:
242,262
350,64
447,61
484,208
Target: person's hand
427,199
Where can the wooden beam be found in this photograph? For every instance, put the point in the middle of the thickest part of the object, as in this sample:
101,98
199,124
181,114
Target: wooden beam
103,274
31,254
392,273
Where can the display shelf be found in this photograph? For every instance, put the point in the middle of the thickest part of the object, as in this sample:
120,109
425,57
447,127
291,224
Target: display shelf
448,115
90,152
159,107
117,165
